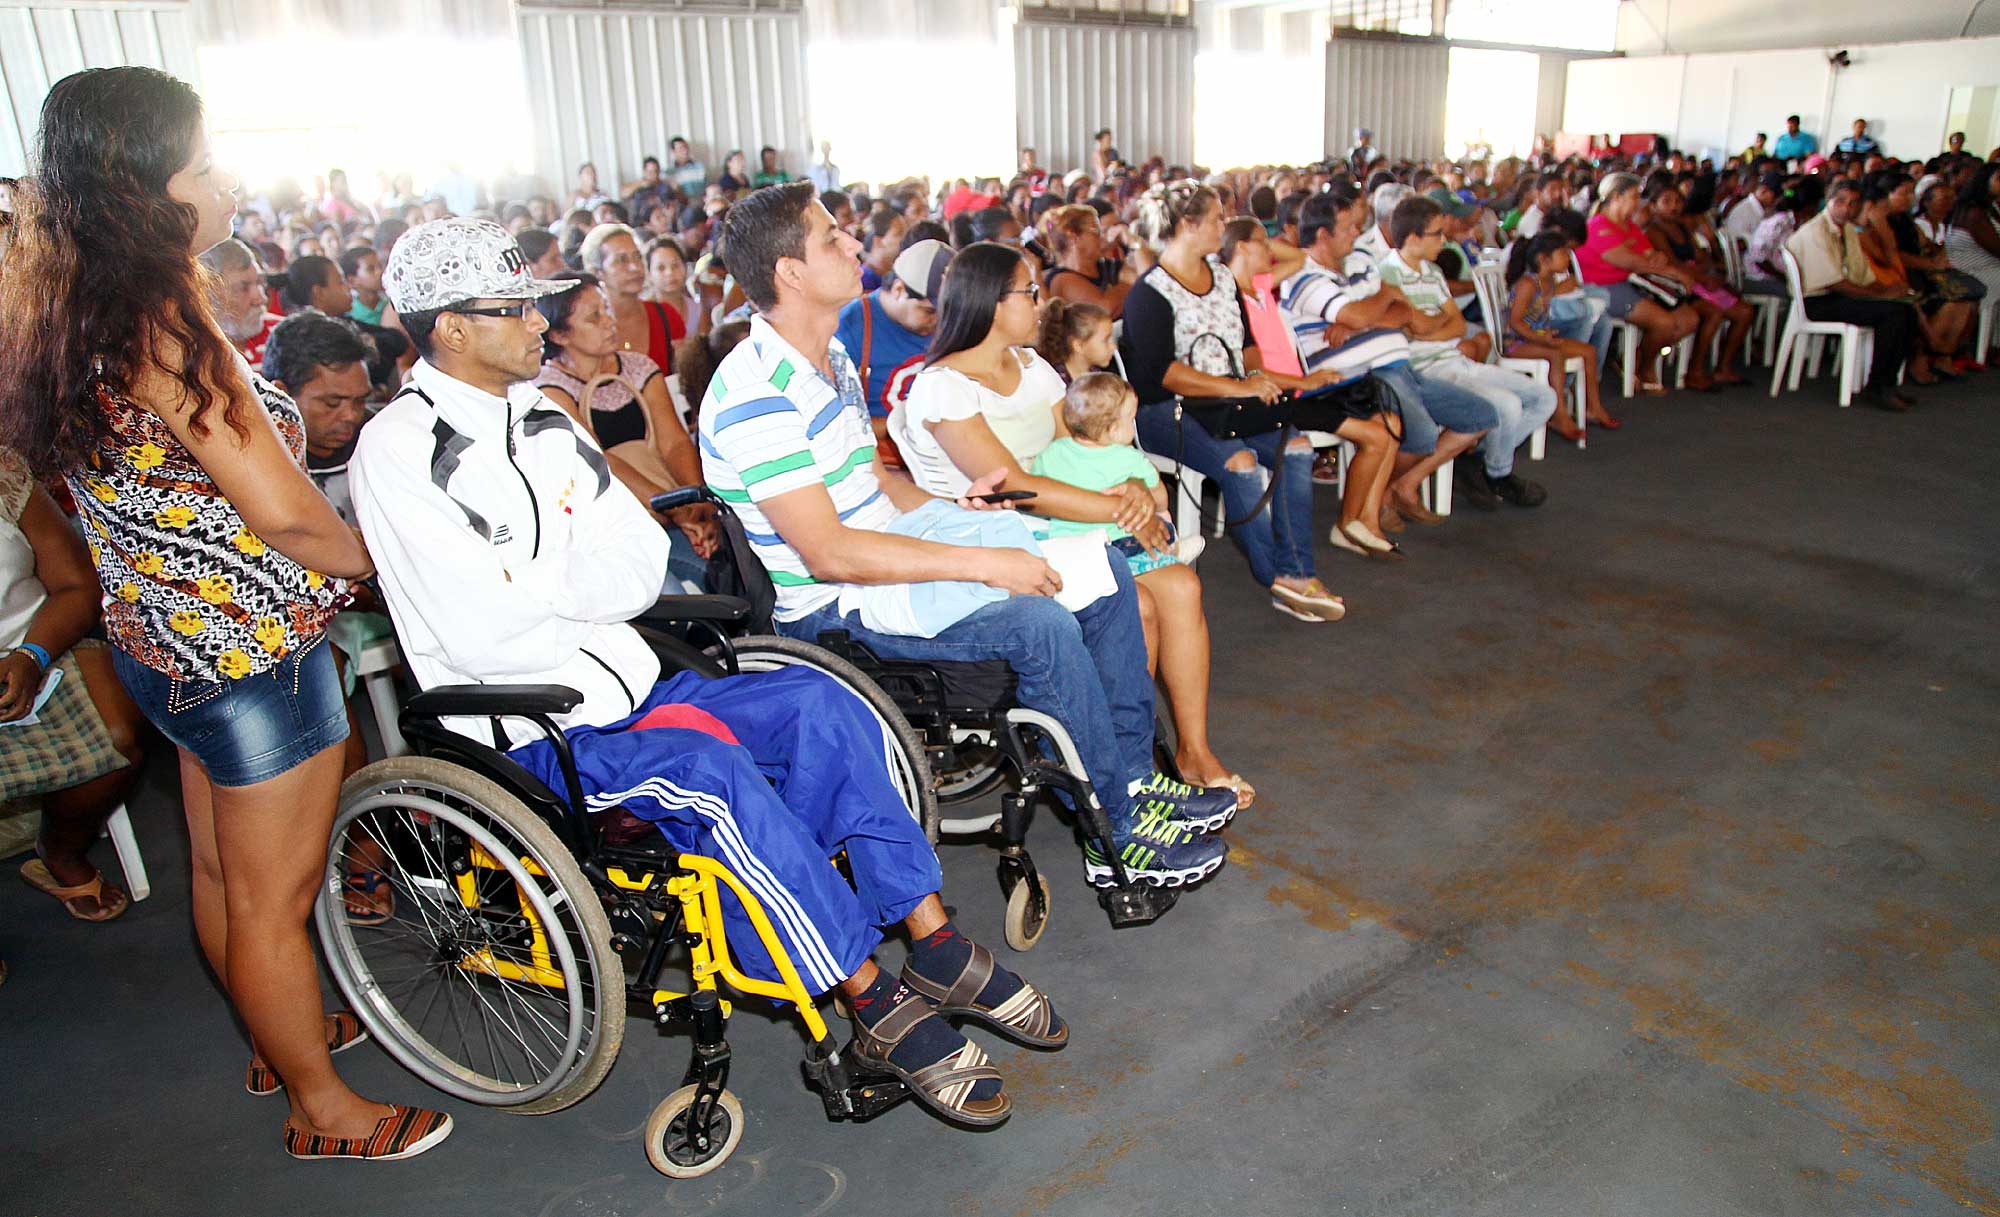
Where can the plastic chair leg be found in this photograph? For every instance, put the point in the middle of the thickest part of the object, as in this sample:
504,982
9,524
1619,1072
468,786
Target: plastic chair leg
1778,362
1441,489
1538,443
1629,348
119,829
387,707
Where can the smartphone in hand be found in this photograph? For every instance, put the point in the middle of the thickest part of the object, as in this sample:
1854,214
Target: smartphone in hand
1003,496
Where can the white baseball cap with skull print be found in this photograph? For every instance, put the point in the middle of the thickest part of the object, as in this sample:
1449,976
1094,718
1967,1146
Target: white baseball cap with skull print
447,262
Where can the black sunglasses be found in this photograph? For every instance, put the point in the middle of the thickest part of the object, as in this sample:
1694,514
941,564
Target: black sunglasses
516,310
1033,292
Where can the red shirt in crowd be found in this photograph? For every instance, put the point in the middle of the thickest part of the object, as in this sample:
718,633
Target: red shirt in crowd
1605,234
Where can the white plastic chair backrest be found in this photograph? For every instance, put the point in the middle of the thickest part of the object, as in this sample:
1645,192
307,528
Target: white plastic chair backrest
1489,284
1732,260
682,409
1793,282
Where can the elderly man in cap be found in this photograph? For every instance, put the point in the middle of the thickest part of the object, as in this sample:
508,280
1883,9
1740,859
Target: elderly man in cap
508,553
886,332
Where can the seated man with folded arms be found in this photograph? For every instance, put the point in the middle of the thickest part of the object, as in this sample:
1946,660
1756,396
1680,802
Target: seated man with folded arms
509,554
785,440
1437,354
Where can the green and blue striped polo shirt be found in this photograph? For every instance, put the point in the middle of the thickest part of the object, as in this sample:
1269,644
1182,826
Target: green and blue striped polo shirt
772,423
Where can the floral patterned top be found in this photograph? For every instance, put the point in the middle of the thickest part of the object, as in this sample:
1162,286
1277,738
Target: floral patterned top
190,591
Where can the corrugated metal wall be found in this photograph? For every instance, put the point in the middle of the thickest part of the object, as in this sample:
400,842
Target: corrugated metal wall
1072,79
41,44
1393,86
613,87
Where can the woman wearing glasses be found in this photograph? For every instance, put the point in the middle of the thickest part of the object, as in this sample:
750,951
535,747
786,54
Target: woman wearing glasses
221,561
985,401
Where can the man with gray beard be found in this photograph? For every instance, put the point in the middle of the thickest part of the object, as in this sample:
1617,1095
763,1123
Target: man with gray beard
241,302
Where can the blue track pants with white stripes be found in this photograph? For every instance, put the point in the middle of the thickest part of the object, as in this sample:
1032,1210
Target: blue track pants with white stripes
771,774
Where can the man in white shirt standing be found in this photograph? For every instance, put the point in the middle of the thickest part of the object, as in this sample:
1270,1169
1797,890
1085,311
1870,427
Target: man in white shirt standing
508,553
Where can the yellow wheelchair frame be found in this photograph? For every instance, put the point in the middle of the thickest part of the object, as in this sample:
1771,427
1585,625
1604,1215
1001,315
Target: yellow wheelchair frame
694,1129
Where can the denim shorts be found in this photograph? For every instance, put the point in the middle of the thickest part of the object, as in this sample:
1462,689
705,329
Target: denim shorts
250,730
1620,299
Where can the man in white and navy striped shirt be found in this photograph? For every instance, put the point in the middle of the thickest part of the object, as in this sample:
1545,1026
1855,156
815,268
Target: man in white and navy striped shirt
785,439
1346,319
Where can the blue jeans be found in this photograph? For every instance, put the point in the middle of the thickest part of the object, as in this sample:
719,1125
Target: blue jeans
1522,403
1085,669
1278,541
1577,315
1430,408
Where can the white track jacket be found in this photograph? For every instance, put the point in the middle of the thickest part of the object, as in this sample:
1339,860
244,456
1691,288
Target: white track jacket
507,552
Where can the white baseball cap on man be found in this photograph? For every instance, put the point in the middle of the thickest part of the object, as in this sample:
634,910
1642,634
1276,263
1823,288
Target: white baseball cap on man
450,261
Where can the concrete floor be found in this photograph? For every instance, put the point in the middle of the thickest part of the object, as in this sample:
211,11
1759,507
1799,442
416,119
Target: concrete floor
1629,856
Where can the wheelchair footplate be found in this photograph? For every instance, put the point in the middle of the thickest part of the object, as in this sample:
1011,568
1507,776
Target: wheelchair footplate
1136,905
850,1091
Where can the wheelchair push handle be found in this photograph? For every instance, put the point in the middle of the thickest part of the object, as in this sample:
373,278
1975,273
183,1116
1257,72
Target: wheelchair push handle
682,496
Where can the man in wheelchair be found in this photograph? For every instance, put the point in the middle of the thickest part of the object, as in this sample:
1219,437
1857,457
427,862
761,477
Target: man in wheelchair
785,440
507,553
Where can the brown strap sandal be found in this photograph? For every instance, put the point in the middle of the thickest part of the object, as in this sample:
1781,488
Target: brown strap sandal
943,1086
343,1031
106,901
1027,1017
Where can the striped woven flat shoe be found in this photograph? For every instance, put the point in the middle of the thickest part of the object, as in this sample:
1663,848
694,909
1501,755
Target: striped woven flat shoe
404,1133
343,1031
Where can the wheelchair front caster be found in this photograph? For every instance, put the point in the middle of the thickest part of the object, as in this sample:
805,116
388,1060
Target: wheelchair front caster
679,1147
1027,912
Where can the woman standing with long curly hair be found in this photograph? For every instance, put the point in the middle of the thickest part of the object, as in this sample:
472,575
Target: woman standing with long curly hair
221,561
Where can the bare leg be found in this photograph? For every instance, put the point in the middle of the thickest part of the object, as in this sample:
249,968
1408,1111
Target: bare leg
1408,484
1149,621
1368,475
1184,666
1556,355
72,818
271,838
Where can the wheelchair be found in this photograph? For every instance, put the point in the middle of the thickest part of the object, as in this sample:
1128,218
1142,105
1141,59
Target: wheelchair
526,925
977,737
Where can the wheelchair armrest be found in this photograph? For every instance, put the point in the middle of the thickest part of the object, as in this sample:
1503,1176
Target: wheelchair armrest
489,701
668,610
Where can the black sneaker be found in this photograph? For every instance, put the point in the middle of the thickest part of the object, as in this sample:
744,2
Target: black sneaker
1520,491
1473,486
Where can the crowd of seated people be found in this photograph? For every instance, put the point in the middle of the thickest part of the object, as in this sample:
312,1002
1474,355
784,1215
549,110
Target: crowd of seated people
858,372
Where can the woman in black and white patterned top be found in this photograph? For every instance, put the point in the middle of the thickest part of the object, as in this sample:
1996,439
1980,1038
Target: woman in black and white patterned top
1186,335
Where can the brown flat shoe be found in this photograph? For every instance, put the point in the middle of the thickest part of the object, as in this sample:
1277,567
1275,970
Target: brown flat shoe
1415,512
1390,520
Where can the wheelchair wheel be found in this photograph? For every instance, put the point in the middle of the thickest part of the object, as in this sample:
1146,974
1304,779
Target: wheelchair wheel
671,1145
975,768
494,978
910,768
1027,917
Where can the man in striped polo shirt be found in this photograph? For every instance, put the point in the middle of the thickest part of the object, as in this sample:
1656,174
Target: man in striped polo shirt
1345,319
785,439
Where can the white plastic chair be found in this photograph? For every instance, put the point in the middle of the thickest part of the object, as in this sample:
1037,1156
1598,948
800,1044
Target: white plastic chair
377,669
1769,315
1488,282
1793,353
1985,340
1627,335
119,829
1188,481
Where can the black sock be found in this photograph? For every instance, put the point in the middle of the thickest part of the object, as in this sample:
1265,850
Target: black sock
942,954
929,1042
